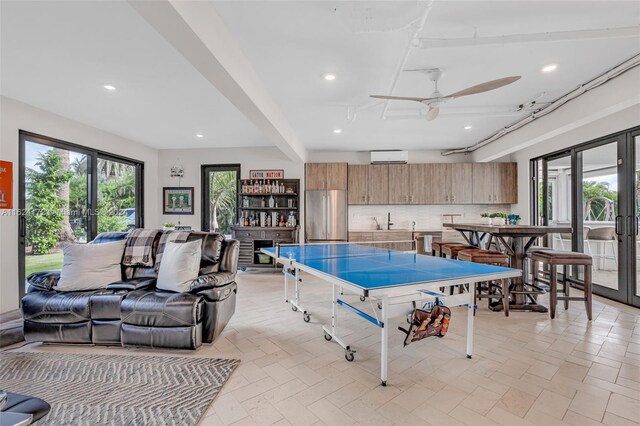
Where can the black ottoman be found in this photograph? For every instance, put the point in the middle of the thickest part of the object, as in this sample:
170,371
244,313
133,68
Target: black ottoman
25,404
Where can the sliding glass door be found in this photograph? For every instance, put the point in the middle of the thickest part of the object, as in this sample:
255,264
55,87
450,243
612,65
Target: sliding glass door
68,194
219,197
595,188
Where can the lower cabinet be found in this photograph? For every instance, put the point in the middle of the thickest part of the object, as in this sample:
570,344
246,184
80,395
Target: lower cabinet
392,240
252,240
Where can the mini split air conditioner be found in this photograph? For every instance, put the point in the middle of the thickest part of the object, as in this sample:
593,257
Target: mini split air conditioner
386,157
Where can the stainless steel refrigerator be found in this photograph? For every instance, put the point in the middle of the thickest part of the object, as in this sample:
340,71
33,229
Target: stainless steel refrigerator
326,216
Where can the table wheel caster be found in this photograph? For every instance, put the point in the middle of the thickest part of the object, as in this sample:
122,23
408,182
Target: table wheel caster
469,356
243,269
379,305
349,355
306,317
383,383
328,337
362,298
294,308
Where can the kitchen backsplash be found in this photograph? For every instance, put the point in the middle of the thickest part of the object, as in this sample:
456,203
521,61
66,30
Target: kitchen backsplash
426,217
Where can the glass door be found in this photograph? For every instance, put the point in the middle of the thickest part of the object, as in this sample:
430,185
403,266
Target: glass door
117,195
55,199
632,228
599,178
220,197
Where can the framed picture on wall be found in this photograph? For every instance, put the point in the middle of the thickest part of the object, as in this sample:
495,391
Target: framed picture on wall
177,200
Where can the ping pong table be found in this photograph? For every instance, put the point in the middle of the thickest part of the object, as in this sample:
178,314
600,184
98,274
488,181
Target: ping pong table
390,278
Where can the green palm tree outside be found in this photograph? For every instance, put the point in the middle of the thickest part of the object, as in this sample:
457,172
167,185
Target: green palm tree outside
222,201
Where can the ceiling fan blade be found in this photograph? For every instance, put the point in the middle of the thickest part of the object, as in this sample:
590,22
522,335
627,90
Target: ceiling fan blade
486,86
399,98
432,113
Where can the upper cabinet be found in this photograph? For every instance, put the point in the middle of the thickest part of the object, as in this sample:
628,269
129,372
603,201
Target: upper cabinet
378,184
399,184
495,183
325,176
358,184
432,183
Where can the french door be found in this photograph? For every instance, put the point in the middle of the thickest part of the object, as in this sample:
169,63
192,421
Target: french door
595,187
69,194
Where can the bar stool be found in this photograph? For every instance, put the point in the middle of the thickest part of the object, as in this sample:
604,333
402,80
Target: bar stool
437,247
488,289
554,258
452,249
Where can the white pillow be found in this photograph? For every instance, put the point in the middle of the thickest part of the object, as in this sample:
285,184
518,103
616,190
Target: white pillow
180,265
91,266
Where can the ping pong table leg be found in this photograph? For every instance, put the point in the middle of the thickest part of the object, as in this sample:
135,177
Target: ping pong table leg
286,286
384,341
470,310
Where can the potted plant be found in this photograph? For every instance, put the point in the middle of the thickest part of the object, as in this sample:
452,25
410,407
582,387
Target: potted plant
498,219
485,218
168,226
513,219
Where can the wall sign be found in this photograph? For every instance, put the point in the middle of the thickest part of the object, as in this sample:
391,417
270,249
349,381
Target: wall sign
266,174
6,184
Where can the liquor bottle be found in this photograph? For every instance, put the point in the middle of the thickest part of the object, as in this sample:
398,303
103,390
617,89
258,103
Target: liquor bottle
282,220
243,188
275,187
269,220
282,188
263,202
246,219
255,187
271,201
267,187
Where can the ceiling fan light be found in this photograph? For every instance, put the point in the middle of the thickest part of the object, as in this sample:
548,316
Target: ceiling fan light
432,113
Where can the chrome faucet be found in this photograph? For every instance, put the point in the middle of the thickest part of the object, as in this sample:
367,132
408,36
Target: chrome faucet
389,223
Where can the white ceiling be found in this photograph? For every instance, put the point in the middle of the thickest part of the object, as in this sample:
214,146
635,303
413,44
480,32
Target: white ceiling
57,55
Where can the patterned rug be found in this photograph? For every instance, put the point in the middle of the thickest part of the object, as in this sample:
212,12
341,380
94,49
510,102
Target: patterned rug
116,389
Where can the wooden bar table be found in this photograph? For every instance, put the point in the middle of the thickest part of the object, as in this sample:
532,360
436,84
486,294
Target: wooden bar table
516,241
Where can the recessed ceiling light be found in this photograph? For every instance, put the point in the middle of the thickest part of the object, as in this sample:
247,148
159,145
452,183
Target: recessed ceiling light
336,131
329,77
199,135
468,127
549,68
109,87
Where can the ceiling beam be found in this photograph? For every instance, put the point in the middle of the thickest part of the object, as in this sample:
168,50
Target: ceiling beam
198,33
606,33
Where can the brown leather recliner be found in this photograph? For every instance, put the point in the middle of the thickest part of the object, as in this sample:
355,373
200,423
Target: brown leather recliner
133,312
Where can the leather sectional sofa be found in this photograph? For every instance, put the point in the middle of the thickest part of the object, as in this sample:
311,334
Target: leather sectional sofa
133,312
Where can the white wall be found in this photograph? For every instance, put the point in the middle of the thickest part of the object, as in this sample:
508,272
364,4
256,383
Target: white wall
15,116
363,157
262,158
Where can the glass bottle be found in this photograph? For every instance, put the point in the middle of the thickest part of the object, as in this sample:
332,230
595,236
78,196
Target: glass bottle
263,202
271,201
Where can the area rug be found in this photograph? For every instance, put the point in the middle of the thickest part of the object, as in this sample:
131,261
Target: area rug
116,389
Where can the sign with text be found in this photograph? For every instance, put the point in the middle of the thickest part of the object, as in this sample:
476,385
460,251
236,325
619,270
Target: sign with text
6,184
266,174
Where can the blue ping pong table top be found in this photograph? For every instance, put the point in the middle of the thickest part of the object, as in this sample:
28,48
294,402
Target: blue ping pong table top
374,268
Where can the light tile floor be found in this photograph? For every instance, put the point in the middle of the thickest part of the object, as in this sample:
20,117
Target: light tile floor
526,368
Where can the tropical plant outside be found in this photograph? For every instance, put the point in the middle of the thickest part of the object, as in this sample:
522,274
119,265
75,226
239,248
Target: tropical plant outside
222,199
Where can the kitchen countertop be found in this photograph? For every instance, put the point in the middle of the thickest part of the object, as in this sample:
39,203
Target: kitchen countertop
402,230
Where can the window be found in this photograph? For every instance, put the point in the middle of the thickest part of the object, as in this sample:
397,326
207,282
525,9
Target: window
69,194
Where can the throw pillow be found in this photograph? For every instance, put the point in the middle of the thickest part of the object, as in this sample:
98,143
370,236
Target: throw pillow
90,266
180,266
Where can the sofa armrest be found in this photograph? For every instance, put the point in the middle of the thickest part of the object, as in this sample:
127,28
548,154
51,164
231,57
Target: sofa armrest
43,280
212,280
133,284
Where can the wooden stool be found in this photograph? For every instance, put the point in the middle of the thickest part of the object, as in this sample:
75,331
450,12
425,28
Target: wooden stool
452,249
439,246
554,258
489,257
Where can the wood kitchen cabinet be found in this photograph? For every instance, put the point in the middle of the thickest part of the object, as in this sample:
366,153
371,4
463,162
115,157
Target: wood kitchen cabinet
378,184
460,176
419,184
399,184
326,176
495,183
440,185
358,183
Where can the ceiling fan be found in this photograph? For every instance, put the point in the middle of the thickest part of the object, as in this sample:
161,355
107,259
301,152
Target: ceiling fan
436,99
